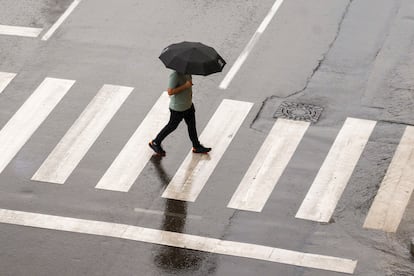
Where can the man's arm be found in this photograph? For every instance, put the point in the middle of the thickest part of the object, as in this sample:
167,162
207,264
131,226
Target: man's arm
173,91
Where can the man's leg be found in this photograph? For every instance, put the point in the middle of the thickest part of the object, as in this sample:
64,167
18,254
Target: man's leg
190,120
175,119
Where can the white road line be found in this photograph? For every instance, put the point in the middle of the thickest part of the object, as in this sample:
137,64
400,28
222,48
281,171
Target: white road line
243,56
396,188
163,213
333,176
194,172
179,240
20,31
30,116
5,79
80,137
60,21
268,165
129,163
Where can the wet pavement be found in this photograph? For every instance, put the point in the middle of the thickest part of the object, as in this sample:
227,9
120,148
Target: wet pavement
350,57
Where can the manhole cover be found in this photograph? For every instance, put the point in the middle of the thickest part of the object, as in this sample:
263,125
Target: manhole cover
298,111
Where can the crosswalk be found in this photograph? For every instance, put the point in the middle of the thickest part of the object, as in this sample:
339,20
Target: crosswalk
260,179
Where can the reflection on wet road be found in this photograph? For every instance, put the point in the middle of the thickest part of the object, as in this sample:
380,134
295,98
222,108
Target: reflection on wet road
173,259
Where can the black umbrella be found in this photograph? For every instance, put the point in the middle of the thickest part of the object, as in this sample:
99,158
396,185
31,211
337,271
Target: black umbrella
192,58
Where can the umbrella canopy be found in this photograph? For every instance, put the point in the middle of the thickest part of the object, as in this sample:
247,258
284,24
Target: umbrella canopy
192,58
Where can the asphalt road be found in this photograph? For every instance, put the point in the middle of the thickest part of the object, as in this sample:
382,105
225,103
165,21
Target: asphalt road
353,58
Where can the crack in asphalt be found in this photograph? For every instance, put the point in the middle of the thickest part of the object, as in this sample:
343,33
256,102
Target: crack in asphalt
227,227
320,61
314,70
260,111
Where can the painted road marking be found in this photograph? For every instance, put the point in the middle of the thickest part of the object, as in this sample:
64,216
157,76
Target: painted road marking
174,239
396,188
61,19
196,169
167,214
20,31
30,116
5,79
332,178
132,159
249,47
80,137
268,165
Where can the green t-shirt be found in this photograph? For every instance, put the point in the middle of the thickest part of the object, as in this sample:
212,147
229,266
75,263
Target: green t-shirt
183,100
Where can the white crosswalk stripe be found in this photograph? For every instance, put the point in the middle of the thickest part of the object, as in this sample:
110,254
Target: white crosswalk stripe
30,116
196,169
333,176
83,133
5,79
268,165
132,159
396,188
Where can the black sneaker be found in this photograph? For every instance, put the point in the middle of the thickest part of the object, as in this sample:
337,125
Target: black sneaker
201,149
156,148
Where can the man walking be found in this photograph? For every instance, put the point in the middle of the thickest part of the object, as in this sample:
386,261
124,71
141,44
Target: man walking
181,107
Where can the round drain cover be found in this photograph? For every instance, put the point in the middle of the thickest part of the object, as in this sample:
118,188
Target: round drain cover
298,111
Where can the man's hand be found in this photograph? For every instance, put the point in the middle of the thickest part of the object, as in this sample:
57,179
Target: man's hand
177,90
188,84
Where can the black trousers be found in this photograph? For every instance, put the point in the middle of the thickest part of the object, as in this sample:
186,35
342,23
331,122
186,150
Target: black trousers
175,118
